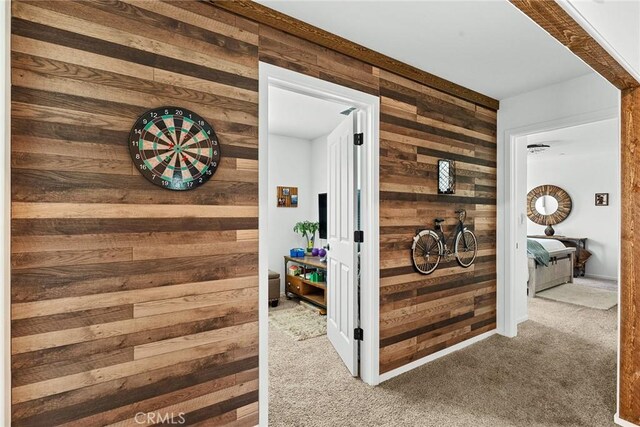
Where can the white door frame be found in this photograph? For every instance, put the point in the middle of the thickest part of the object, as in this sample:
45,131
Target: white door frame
272,76
508,212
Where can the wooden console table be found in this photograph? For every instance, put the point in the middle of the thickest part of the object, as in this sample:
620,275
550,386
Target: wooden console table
580,243
302,287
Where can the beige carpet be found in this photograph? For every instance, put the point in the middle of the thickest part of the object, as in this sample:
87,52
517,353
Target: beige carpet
559,371
575,293
299,322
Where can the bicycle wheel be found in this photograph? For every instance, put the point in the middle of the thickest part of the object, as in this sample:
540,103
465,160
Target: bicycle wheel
426,251
466,248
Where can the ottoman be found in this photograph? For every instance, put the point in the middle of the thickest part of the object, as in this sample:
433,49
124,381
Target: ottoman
274,288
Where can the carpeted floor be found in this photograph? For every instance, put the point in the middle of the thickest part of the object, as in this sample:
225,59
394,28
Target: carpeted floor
559,371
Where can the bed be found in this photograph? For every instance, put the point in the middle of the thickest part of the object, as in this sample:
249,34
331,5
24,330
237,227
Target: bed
558,272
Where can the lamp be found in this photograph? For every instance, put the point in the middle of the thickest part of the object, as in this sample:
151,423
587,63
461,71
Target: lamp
446,176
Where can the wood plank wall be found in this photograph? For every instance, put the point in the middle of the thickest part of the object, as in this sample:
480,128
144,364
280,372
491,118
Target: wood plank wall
419,315
127,297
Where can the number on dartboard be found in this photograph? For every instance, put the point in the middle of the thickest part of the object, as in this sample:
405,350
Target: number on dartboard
174,148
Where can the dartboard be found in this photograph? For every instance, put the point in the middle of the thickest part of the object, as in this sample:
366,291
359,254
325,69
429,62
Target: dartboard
174,148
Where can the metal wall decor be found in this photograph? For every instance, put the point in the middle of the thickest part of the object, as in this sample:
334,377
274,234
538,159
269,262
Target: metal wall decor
446,176
431,245
548,205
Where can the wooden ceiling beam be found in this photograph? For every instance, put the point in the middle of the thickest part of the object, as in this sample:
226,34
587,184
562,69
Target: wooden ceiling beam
554,20
267,16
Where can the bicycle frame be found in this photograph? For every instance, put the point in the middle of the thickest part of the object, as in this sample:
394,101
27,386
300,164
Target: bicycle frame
459,229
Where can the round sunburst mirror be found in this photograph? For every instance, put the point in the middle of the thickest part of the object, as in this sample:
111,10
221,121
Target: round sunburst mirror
548,205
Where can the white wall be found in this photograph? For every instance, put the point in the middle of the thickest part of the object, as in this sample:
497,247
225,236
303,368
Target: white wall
582,173
571,101
617,22
289,165
319,182
581,95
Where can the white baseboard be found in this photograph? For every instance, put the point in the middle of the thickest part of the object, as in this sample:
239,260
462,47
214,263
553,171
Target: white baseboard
430,358
597,276
623,423
523,318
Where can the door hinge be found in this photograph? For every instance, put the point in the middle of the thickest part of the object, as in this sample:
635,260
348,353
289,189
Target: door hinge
358,138
358,334
358,236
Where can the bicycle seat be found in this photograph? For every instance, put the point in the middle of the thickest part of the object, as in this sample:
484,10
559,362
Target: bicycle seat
439,220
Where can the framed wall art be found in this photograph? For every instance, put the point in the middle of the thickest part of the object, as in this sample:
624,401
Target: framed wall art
287,197
602,199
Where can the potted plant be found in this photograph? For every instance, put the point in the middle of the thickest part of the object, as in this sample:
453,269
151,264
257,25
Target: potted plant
308,230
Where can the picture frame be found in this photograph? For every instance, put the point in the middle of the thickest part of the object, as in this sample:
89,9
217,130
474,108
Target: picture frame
287,197
602,199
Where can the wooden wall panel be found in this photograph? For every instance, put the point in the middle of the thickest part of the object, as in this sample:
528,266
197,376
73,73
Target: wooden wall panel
419,314
629,399
127,297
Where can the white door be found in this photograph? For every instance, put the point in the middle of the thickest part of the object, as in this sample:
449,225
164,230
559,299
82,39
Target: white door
342,292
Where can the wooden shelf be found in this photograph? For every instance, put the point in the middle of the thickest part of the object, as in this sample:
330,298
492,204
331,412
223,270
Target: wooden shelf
321,285
318,299
313,292
311,261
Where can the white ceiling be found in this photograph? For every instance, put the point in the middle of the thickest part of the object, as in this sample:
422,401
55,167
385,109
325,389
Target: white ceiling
301,116
485,45
591,139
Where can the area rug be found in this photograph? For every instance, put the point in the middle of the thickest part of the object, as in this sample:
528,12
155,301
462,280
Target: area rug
299,322
609,285
586,296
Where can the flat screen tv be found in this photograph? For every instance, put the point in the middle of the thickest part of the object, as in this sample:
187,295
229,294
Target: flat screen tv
322,215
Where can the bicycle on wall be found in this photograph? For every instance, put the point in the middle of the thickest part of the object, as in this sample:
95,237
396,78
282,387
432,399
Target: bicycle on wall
429,246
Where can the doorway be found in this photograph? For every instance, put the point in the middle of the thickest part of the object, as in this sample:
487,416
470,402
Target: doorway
572,198
515,297
347,318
